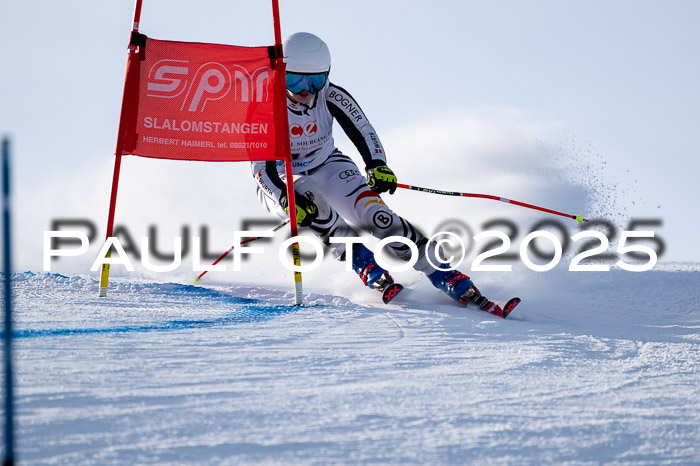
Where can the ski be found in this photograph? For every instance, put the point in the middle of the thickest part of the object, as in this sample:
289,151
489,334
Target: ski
390,291
473,296
502,311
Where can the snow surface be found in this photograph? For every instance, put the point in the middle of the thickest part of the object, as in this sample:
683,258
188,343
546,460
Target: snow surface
591,367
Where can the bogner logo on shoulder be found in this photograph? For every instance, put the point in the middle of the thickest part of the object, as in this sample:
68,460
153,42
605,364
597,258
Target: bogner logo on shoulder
171,79
349,105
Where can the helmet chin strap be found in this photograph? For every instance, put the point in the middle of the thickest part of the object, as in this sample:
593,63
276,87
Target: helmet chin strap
307,107
313,104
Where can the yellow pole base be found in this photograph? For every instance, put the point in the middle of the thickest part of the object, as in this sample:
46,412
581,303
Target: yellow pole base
104,277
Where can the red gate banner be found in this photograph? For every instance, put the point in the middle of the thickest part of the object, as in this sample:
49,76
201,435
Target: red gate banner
194,101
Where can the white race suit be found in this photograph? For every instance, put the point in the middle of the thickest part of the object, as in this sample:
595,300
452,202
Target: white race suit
332,180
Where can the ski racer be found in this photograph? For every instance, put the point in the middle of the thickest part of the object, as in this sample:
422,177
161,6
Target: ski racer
330,189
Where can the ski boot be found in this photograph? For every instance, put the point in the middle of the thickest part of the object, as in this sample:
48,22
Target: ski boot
372,274
460,288
473,295
452,282
500,309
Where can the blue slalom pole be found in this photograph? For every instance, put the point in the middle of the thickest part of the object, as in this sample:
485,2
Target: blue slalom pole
7,268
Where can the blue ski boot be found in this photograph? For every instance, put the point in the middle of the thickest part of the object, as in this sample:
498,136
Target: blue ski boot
366,266
458,287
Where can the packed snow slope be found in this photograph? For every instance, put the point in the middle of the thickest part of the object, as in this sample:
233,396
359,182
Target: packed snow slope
591,367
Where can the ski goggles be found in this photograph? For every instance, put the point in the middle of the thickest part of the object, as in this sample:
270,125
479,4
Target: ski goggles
312,83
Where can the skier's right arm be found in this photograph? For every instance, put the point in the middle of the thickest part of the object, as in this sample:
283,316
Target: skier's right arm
268,179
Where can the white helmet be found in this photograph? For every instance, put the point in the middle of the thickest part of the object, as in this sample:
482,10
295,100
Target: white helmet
306,53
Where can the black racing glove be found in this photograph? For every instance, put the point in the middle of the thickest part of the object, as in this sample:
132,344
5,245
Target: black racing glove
380,178
306,209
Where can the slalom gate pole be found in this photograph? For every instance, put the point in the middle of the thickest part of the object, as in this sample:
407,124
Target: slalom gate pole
281,117
228,251
7,278
104,273
578,218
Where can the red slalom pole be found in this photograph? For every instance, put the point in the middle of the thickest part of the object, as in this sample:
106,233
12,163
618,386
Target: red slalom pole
578,218
132,68
286,151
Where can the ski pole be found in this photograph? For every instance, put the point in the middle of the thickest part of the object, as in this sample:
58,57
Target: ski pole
578,218
247,240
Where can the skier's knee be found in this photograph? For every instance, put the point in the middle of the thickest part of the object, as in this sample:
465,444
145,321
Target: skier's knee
380,220
312,191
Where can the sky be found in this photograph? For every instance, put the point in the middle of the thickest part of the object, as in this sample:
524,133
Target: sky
583,107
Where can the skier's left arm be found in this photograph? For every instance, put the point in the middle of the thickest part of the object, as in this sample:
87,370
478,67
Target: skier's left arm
352,119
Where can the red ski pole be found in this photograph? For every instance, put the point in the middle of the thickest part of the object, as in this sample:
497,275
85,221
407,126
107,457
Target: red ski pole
247,240
578,218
